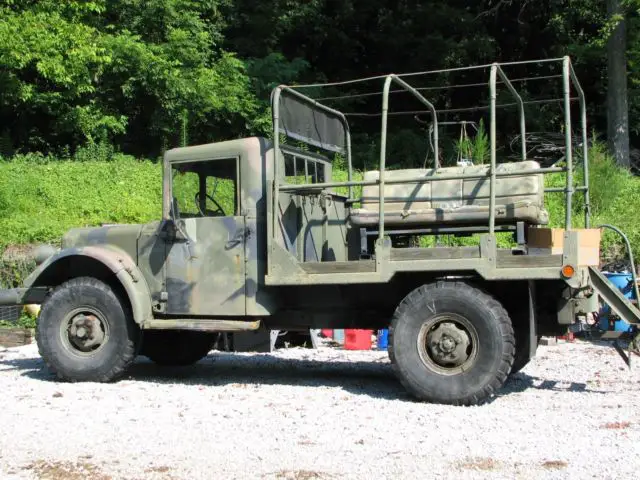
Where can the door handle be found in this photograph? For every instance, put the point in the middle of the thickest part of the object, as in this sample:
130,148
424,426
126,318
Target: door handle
239,237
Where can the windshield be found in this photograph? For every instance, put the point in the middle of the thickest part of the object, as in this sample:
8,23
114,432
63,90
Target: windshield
205,189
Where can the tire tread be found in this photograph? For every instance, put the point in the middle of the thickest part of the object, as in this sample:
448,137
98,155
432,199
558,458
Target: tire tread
499,312
125,357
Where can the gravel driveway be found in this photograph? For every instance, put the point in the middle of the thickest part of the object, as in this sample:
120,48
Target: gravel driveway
304,414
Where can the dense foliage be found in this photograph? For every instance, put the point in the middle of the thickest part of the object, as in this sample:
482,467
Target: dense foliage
146,74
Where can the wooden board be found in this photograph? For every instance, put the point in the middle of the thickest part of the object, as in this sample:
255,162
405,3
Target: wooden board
507,260
436,253
357,266
15,337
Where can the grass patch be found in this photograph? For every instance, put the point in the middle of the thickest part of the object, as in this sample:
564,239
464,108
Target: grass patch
42,197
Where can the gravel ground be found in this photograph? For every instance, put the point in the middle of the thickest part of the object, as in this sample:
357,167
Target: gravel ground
303,414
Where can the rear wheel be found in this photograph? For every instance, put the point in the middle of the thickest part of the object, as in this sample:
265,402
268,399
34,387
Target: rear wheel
86,333
451,343
176,348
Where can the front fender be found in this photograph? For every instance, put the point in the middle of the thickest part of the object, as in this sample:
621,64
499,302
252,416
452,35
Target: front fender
116,260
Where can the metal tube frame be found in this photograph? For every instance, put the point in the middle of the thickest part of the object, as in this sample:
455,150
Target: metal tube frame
275,108
420,179
566,82
383,136
569,78
492,141
585,144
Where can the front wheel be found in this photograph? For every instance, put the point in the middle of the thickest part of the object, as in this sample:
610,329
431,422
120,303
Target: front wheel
451,343
86,333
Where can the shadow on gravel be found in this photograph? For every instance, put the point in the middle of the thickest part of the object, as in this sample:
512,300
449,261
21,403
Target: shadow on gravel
521,381
371,378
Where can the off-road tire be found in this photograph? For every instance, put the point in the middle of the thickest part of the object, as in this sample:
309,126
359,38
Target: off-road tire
116,353
175,348
488,368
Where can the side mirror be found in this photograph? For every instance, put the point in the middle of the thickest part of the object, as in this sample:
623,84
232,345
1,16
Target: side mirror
174,231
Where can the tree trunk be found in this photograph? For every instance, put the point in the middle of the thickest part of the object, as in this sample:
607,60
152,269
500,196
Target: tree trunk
617,106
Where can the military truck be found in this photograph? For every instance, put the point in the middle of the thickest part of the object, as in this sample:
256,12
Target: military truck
256,234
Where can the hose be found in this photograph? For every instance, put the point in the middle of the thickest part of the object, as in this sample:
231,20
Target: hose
632,267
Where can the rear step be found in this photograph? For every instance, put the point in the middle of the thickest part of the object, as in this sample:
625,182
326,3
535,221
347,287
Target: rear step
619,304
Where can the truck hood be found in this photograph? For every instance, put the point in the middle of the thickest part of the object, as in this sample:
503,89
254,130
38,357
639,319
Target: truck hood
123,236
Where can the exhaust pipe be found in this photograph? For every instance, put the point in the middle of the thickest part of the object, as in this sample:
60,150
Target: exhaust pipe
22,296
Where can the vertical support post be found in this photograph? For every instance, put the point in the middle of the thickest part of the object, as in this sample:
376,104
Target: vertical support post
349,165
585,164
436,141
383,154
585,148
523,126
276,153
566,73
492,135
523,132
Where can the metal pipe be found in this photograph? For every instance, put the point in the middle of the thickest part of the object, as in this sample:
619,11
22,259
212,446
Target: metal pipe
349,164
566,73
563,189
341,116
492,183
12,296
420,179
383,154
275,107
585,146
430,106
514,92
630,252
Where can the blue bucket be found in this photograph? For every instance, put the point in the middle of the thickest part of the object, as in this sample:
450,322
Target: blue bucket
624,283
383,339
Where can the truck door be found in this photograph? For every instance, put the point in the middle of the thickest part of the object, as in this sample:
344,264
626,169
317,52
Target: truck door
206,272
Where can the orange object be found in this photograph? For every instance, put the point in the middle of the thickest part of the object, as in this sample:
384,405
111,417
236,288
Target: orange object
569,337
568,271
357,339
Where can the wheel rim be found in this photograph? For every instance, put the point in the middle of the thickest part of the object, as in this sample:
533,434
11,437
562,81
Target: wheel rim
448,344
84,331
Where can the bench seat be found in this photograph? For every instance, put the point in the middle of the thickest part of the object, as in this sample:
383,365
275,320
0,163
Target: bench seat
459,202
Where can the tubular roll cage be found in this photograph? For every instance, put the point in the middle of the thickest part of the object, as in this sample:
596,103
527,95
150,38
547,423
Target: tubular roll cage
569,78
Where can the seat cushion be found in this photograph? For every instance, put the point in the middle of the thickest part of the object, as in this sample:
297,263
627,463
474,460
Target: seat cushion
519,198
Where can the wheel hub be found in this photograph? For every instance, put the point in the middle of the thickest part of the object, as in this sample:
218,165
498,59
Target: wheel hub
448,345
86,332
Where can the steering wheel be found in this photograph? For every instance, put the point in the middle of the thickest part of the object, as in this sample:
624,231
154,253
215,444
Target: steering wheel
219,212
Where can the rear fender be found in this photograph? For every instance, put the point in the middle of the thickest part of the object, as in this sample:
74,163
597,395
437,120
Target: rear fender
53,272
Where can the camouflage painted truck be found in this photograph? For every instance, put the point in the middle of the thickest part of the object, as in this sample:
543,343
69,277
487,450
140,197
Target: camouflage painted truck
257,235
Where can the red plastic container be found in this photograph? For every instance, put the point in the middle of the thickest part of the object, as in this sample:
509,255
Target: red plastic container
327,332
357,339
